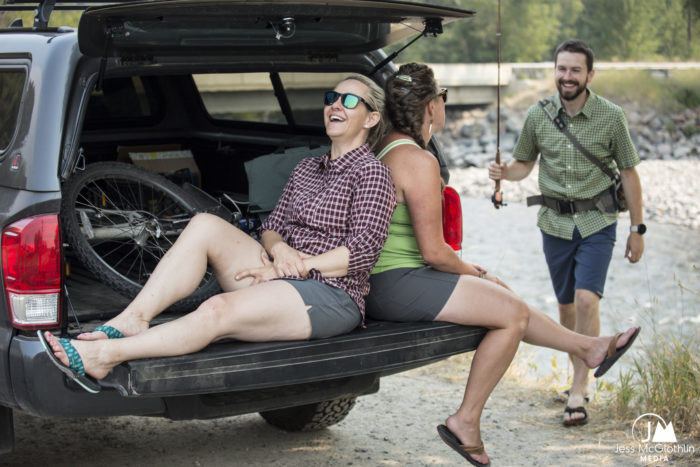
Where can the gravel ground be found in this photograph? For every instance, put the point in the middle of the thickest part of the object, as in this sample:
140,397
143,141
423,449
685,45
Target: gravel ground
395,427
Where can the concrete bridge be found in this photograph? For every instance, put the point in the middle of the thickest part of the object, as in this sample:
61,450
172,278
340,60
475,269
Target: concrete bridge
476,84
470,84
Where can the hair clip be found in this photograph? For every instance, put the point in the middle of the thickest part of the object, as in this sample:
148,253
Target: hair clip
406,78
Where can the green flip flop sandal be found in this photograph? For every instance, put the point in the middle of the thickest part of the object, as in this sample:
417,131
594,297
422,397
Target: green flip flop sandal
112,333
75,369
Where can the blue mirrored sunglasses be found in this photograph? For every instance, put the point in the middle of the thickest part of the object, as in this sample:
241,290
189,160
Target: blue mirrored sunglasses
349,101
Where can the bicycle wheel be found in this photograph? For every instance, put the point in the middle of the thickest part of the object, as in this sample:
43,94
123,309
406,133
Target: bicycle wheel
120,220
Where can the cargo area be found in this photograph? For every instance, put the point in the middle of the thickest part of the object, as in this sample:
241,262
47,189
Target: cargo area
223,139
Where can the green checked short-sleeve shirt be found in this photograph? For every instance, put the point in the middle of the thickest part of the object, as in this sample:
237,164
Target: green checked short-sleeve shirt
565,173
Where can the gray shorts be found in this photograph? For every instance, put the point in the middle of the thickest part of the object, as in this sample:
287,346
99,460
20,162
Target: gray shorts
409,294
332,310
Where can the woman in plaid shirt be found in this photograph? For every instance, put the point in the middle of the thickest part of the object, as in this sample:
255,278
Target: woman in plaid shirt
419,277
306,279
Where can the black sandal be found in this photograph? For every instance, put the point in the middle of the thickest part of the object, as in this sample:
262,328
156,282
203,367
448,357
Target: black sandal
575,421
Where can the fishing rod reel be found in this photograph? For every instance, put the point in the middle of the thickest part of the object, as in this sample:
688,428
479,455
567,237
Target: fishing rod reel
497,199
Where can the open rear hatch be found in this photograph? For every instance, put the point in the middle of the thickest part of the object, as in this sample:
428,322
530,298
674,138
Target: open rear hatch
239,27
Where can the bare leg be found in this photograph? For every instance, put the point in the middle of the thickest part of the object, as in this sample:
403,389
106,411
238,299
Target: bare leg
586,351
251,314
206,239
479,302
482,303
543,331
587,323
567,318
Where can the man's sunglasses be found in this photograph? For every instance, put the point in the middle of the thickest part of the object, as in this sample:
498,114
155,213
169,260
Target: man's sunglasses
443,94
349,101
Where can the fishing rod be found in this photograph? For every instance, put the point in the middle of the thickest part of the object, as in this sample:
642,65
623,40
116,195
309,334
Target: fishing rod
497,197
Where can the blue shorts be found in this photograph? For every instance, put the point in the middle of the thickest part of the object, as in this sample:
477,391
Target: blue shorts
580,263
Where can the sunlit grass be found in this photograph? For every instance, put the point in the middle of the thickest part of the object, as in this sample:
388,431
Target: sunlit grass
665,380
665,376
665,92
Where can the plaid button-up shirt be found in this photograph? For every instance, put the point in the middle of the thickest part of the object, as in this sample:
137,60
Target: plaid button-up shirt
564,172
331,203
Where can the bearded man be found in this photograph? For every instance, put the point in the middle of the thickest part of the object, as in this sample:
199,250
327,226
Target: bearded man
577,223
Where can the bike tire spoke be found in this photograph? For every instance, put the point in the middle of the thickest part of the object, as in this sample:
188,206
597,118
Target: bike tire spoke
126,219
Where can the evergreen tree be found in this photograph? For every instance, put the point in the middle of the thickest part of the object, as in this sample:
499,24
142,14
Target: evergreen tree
623,29
616,29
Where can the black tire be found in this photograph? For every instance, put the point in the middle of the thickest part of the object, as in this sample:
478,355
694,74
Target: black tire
310,417
120,220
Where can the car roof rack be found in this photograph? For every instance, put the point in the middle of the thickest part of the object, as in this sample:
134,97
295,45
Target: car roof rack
43,8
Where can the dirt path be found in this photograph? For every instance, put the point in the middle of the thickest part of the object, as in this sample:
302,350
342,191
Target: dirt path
395,427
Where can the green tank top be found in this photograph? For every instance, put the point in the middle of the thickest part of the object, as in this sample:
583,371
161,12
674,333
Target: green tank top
401,248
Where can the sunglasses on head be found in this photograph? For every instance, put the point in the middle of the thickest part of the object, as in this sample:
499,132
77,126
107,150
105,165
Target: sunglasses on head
443,94
349,101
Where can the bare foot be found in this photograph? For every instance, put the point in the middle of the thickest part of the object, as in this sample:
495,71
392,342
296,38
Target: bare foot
87,352
468,434
127,325
564,396
600,351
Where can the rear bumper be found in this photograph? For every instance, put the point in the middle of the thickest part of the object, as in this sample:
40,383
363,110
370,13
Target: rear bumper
236,377
41,390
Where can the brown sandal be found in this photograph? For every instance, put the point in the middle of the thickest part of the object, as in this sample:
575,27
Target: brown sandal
614,353
465,451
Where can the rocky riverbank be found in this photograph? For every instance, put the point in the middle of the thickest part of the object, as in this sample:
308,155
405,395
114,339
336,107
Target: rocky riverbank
469,137
669,146
669,190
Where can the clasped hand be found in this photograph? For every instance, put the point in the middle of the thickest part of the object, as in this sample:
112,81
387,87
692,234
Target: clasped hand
287,262
483,273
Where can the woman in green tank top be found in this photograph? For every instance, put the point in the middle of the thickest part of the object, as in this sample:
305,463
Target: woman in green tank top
420,278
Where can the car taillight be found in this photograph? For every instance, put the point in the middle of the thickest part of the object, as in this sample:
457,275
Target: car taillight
452,218
31,271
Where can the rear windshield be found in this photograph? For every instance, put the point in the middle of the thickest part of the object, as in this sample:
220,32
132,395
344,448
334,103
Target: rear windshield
11,86
251,97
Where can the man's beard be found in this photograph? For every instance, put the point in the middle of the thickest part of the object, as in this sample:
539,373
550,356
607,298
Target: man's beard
571,94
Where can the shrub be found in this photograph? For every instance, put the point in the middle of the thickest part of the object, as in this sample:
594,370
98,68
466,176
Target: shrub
666,381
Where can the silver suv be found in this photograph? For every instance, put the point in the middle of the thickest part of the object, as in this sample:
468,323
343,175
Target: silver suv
114,135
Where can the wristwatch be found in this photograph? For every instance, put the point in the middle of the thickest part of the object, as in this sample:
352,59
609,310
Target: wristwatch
640,229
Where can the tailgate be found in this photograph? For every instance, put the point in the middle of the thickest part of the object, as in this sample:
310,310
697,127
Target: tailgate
382,348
